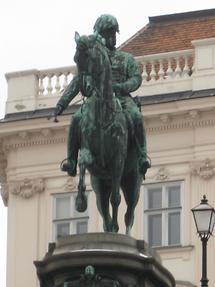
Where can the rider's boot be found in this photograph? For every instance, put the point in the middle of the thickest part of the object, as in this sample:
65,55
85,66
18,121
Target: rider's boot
140,136
72,148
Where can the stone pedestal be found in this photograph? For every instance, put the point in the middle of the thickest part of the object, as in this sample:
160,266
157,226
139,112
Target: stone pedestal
102,259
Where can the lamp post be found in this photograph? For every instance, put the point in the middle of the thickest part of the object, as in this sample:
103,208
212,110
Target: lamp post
204,217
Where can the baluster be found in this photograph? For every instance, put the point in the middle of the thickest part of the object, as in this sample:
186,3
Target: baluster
49,86
177,71
57,84
169,71
65,83
185,72
41,86
153,72
161,70
192,68
144,73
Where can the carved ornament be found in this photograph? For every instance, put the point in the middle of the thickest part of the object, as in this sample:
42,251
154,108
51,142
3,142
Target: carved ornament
3,176
27,187
70,184
4,193
162,174
205,169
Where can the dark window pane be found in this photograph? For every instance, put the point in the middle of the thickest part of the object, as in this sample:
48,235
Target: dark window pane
174,228
155,229
155,197
62,207
174,196
82,227
62,229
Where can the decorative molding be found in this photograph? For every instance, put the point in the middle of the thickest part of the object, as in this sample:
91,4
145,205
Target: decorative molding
70,184
46,132
205,169
33,142
184,124
194,114
24,135
162,174
165,118
66,130
27,188
4,193
3,175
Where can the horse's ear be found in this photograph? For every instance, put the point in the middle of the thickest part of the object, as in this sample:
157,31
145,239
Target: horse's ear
77,37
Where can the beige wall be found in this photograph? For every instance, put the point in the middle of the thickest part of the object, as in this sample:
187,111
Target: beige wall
181,144
178,146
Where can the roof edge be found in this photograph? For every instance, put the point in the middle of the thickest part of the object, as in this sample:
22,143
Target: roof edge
132,37
182,16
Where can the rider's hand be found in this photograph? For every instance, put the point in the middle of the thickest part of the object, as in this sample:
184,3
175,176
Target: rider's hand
58,110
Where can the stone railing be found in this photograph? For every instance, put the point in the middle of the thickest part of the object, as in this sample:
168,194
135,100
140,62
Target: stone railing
166,72
173,65
162,73
53,81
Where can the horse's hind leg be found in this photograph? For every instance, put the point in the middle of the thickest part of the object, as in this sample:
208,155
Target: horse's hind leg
130,185
102,191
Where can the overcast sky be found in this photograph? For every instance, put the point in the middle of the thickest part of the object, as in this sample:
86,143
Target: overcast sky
39,34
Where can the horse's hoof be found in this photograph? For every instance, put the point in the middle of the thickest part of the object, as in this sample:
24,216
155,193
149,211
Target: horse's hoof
128,231
115,228
81,203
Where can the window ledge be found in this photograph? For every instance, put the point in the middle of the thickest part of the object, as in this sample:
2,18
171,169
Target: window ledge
175,251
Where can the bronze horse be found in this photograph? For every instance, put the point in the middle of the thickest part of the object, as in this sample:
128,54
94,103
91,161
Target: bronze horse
108,150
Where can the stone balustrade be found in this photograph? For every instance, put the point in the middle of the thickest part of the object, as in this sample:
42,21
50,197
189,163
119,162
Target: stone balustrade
53,81
162,73
172,65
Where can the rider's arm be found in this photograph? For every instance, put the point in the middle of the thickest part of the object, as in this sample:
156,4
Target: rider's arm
134,78
68,95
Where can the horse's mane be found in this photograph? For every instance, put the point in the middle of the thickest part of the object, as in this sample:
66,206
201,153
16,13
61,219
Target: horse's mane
92,59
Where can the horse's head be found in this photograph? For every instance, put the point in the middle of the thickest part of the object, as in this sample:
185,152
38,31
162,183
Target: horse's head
93,64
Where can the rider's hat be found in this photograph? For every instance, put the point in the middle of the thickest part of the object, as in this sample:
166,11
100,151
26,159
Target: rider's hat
104,22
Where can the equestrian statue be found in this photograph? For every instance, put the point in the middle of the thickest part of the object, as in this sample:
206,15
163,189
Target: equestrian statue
106,135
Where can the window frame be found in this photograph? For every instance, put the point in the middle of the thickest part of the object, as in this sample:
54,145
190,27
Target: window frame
164,210
74,216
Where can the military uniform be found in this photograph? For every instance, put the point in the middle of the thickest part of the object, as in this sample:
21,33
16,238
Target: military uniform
126,78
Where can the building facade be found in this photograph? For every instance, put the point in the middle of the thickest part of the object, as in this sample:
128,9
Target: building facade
176,55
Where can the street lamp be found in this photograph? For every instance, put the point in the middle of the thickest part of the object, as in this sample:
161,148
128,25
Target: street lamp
204,217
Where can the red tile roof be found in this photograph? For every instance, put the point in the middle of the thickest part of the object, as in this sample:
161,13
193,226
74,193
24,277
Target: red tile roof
171,33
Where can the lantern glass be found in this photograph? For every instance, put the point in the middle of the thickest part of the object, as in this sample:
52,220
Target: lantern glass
204,216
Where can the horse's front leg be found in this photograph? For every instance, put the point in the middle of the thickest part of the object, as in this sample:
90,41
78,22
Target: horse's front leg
81,199
115,202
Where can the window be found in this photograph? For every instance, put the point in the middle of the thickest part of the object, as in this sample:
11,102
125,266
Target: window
66,220
162,214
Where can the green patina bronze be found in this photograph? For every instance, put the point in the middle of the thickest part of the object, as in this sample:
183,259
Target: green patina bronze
90,279
107,131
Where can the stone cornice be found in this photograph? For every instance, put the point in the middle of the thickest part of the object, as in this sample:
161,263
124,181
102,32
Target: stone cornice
48,136
29,142
57,134
163,126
